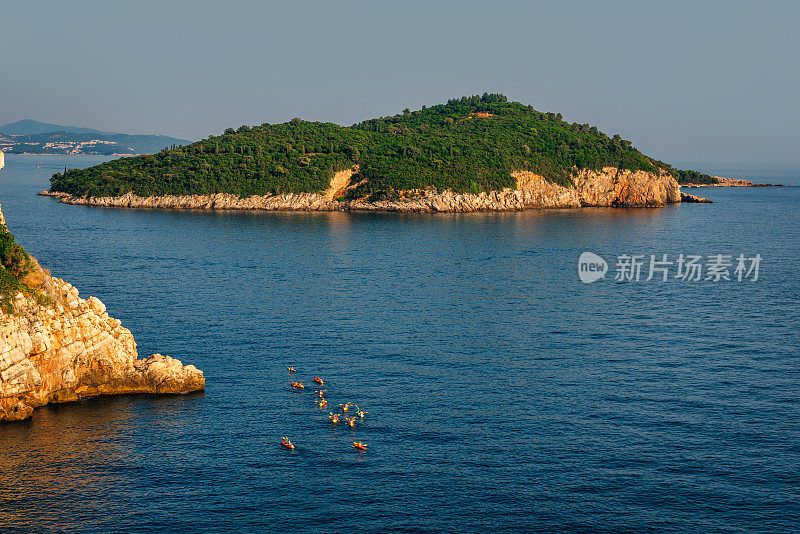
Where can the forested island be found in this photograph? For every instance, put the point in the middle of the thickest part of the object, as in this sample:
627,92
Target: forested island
470,145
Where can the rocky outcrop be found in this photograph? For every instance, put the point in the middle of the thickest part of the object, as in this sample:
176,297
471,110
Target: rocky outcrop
607,187
70,348
689,199
58,347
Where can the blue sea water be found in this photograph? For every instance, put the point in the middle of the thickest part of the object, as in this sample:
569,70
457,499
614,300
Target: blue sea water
503,394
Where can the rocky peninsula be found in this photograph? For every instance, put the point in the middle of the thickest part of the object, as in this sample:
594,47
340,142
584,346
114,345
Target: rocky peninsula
58,347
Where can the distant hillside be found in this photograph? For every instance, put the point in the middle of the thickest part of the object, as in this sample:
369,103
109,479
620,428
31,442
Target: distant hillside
471,144
32,127
32,137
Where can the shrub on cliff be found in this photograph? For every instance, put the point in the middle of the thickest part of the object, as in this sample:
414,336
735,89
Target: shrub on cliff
13,257
14,265
470,144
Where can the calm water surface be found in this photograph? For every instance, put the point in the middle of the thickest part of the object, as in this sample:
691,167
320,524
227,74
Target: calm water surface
503,394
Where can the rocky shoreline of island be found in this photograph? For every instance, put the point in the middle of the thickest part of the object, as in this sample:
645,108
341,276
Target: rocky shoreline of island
608,187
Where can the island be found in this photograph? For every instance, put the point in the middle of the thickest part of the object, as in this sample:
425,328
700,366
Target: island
477,153
57,347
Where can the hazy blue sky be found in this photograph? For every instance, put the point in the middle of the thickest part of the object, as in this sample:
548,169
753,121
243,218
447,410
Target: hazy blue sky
685,81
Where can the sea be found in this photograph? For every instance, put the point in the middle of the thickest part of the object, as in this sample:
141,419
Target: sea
503,390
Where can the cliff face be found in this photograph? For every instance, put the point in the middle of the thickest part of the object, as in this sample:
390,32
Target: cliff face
608,187
66,348
620,187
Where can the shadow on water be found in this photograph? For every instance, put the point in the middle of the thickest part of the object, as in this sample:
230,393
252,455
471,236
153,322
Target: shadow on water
67,455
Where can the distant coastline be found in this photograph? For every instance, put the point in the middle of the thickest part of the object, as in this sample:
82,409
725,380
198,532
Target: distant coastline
73,154
731,182
29,137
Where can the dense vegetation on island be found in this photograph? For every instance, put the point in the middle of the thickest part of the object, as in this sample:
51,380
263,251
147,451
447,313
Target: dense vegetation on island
470,144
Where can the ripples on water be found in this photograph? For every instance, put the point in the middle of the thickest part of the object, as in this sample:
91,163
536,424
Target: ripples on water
503,393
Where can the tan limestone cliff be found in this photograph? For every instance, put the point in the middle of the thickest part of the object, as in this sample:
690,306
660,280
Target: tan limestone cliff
60,347
620,187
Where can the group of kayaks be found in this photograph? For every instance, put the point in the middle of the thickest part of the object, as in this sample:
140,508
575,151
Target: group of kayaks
299,385
322,402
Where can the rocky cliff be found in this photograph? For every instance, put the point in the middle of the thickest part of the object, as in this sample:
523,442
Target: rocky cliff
607,187
58,347
619,187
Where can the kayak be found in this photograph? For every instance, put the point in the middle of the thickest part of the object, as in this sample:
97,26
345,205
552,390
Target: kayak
334,418
286,442
298,385
351,421
360,446
319,381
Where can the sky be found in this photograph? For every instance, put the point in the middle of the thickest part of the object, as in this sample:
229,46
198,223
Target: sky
699,81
